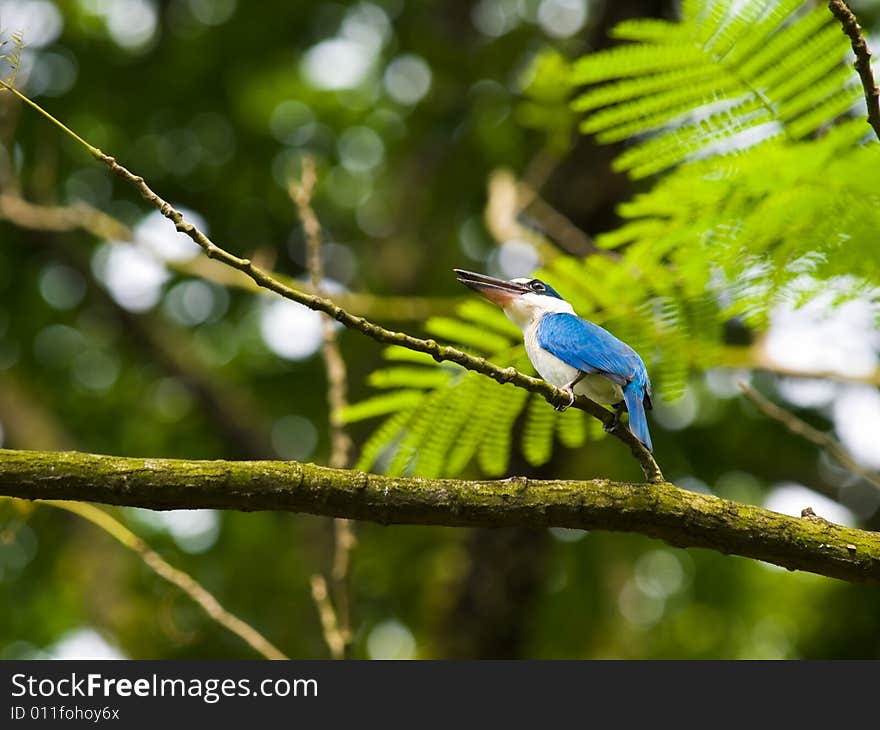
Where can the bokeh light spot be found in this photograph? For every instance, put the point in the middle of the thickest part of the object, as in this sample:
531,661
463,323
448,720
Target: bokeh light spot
790,498
172,399
61,286
193,302
337,63
290,330
133,277
39,21
407,79
391,640
292,122
83,643
212,12
159,236
294,437
131,23
562,18
360,149
95,369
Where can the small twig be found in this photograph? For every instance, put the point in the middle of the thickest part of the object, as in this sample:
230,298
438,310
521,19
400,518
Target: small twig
508,198
175,576
863,60
503,207
27,422
332,635
337,400
558,226
802,428
61,218
337,385
755,357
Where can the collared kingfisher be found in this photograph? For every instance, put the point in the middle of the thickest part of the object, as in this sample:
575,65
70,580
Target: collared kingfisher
577,356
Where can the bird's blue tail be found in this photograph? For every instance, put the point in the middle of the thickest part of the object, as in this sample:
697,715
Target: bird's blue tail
638,421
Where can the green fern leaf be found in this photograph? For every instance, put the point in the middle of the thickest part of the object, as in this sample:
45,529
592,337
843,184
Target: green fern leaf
728,76
475,427
446,428
537,438
488,316
474,336
381,405
409,377
413,435
382,440
571,428
494,451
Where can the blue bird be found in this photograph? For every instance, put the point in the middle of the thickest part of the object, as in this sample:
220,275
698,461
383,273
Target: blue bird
575,355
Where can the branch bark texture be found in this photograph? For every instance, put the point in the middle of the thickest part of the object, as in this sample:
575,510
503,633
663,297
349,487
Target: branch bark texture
853,31
681,518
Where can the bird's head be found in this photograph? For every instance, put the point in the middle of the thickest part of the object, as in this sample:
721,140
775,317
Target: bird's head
523,300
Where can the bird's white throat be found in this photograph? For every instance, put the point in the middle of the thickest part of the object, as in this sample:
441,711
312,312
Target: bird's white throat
528,308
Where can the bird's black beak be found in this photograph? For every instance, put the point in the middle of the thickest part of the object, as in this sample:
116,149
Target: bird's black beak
496,290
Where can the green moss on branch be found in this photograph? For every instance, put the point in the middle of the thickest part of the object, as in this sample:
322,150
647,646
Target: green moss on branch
663,511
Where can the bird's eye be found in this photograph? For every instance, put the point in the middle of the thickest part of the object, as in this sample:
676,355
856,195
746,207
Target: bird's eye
538,286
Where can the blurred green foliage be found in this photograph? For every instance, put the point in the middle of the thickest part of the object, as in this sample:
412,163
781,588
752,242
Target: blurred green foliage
408,107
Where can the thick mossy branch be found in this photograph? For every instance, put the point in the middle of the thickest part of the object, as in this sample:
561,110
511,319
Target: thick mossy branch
681,518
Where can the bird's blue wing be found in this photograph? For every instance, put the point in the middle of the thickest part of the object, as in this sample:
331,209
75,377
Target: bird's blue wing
589,348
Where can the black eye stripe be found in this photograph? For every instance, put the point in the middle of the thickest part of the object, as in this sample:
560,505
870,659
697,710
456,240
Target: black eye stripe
537,285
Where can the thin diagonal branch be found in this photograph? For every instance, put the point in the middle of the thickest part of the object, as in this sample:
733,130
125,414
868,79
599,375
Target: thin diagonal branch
439,352
863,60
339,640
801,428
81,216
680,517
168,572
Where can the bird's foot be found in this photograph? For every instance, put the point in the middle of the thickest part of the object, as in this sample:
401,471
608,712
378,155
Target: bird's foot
567,389
615,422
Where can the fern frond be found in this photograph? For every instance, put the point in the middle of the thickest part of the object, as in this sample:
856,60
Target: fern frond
380,405
494,451
647,86
408,377
475,427
537,437
462,333
571,428
413,435
383,439
396,353
726,77
446,428
488,316
10,57
636,60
